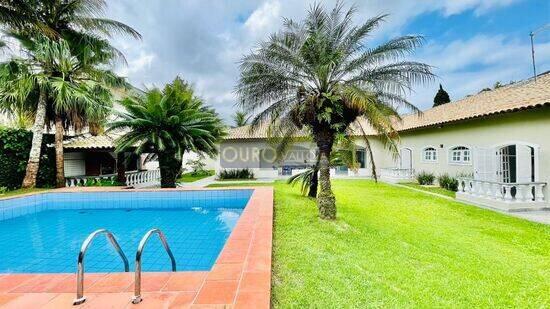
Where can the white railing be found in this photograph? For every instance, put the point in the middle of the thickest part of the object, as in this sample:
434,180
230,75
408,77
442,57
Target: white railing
133,179
143,178
397,173
76,181
506,192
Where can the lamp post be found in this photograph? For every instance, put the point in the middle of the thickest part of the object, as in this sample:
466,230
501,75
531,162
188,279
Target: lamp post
532,35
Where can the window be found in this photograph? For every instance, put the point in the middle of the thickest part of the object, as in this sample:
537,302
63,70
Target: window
460,155
429,154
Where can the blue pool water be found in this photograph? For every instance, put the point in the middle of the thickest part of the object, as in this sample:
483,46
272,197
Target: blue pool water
43,233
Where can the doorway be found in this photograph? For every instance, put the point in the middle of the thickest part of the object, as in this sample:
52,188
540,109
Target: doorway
405,158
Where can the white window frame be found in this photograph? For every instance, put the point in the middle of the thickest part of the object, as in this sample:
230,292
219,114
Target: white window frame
434,152
461,155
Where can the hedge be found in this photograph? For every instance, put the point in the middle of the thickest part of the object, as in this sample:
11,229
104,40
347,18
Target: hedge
15,145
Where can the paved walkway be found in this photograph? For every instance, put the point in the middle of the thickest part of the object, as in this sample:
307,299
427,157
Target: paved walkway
540,216
201,183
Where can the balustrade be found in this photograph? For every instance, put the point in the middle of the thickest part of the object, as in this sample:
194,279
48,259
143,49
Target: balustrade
507,192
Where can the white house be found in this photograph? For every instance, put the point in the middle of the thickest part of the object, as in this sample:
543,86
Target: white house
498,141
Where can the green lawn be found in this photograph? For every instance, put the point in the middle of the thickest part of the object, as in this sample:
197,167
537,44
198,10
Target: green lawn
21,192
393,247
190,177
433,189
241,184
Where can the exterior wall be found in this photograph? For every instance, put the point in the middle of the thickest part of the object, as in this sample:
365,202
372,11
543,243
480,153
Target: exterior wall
255,154
527,127
381,156
531,127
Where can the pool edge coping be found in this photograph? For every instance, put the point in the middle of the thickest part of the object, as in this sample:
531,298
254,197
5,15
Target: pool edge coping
240,277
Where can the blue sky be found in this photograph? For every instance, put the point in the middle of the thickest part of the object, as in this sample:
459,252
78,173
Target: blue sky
471,43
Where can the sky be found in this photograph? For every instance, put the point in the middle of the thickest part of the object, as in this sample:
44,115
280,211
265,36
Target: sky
470,43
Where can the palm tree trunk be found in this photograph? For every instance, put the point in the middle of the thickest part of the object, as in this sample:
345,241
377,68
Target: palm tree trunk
37,133
59,159
326,202
120,168
169,167
314,184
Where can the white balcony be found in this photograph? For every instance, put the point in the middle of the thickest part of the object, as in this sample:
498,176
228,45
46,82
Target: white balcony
503,196
395,175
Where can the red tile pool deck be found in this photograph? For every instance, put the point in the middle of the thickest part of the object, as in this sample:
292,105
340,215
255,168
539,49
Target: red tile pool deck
240,278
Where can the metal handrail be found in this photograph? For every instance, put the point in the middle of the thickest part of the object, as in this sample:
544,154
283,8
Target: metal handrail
137,284
80,280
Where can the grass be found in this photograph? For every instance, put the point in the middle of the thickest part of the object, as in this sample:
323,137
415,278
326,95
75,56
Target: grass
393,247
17,192
433,189
191,177
241,184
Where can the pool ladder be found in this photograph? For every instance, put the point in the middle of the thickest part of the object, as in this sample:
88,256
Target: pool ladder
137,284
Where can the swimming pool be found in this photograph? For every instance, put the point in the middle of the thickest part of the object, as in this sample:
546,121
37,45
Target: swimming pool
43,233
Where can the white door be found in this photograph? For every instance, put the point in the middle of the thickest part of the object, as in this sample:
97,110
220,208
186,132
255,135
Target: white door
405,158
524,164
485,164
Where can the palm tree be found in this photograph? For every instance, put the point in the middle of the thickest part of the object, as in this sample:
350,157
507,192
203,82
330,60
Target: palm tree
65,86
77,21
319,74
343,154
168,122
55,18
240,118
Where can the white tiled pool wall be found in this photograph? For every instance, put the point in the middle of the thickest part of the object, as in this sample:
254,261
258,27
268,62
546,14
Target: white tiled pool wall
20,206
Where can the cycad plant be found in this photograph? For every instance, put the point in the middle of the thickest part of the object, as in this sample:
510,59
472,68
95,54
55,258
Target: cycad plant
168,122
321,74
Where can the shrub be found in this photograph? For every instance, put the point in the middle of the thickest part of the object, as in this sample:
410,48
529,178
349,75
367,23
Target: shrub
15,145
447,182
244,173
197,168
425,178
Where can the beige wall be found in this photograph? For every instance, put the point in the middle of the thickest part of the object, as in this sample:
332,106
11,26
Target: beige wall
251,154
531,126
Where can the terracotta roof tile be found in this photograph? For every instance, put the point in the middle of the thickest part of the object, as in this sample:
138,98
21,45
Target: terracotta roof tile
88,141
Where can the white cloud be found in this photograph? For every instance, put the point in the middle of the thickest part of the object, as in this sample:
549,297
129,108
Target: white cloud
138,64
264,19
203,42
480,7
466,66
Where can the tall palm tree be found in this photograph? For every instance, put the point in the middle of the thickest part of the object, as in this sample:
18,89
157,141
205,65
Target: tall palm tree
168,122
77,21
320,74
61,82
53,17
